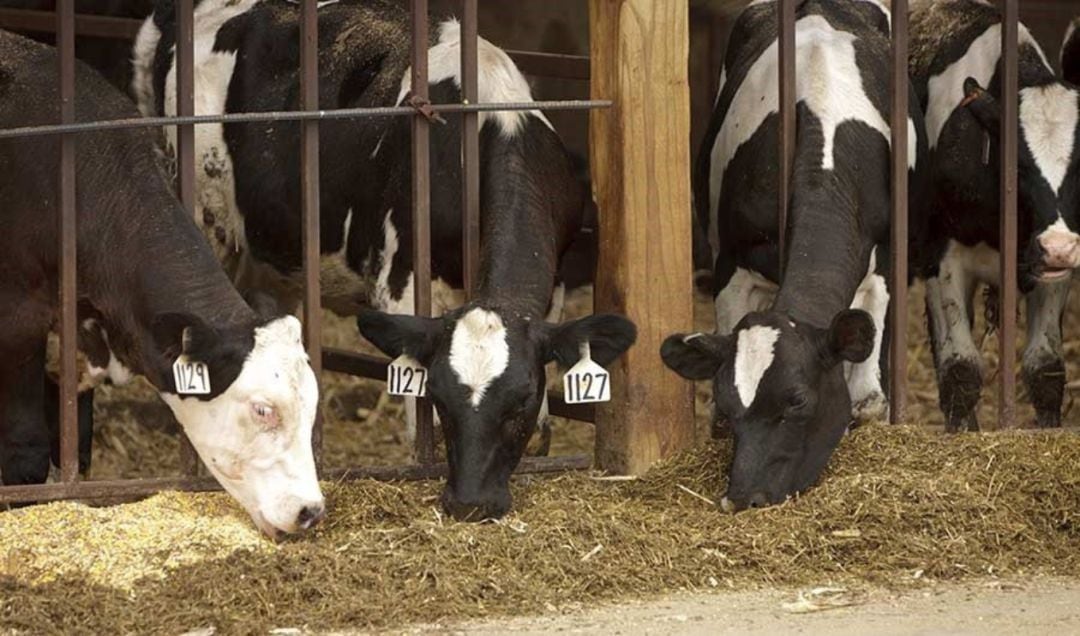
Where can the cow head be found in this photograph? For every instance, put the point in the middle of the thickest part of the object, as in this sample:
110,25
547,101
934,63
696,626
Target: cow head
1048,173
487,381
781,387
253,430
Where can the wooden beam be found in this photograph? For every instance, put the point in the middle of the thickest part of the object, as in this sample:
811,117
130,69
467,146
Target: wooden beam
640,159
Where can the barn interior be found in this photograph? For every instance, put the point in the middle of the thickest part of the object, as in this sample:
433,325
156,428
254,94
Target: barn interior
884,516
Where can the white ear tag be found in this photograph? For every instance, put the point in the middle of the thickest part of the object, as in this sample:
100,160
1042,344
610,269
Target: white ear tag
192,378
407,377
586,381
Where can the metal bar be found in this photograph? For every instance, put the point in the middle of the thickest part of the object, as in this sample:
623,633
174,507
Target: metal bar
302,115
85,25
421,200
1010,95
786,34
66,247
133,488
185,152
899,237
470,151
573,67
309,183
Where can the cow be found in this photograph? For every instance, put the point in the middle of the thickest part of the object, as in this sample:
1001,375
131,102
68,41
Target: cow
1070,53
955,65
794,359
236,376
485,358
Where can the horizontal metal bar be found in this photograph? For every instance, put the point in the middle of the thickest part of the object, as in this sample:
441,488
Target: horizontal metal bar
124,488
575,67
300,115
85,24
374,367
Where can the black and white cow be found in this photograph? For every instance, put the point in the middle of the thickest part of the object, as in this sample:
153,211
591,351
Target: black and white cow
791,363
955,51
485,359
151,289
1070,53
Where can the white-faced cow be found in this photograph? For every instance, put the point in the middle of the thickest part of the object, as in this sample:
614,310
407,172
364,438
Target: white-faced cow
150,290
1070,53
485,359
791,363
955,52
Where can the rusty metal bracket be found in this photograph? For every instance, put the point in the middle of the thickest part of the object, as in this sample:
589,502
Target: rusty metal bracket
424,107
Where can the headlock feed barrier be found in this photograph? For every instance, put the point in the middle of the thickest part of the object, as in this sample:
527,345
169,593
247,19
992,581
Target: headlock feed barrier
650,415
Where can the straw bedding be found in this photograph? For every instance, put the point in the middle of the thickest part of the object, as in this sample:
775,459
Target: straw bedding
901,506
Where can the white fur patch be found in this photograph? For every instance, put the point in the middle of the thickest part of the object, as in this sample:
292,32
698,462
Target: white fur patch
499,79
753,357
142,79
479,353
830,86
270,471
747,291
1048,116
946,90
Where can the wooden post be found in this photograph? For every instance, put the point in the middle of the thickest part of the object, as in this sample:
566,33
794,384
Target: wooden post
640,158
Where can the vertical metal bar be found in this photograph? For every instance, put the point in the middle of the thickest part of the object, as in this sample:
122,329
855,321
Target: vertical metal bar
69,416
470,150
786,33
899,237
309,184
421,199
185,152
1010,96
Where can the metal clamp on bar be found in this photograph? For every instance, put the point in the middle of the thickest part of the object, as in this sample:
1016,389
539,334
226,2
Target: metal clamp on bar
424,107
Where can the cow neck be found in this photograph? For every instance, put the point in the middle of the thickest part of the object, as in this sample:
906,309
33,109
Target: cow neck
826,263
518,262
166,267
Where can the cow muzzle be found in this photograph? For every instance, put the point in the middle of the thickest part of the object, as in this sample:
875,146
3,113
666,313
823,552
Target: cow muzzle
1060,254
476,507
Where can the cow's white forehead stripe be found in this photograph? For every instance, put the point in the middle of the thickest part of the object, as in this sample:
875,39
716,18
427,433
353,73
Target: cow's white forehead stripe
755,354
479,352
1048,115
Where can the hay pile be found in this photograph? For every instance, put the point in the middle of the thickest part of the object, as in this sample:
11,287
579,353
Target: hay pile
901,506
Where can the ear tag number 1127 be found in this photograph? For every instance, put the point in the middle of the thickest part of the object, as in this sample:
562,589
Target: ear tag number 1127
405,376
586,381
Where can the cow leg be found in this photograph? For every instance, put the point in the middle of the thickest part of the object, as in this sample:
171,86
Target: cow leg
1044,365
868,402
956,358
86,423
24,436
744,292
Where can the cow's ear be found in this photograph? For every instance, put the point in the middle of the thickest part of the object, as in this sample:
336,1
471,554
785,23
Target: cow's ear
983,106
695,356
608,336
183,333
395,334
265,306
850,337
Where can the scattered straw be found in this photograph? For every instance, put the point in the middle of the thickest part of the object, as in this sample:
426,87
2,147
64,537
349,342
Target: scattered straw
901,507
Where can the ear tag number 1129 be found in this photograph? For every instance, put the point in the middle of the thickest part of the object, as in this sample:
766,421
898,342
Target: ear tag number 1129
191,377
405,376
586,381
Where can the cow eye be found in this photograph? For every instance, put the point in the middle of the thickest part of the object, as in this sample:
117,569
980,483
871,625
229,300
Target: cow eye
265,414
797,401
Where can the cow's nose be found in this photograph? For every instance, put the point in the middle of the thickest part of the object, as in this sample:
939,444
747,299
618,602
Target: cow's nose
310,516
758,500
475,508
1061,249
